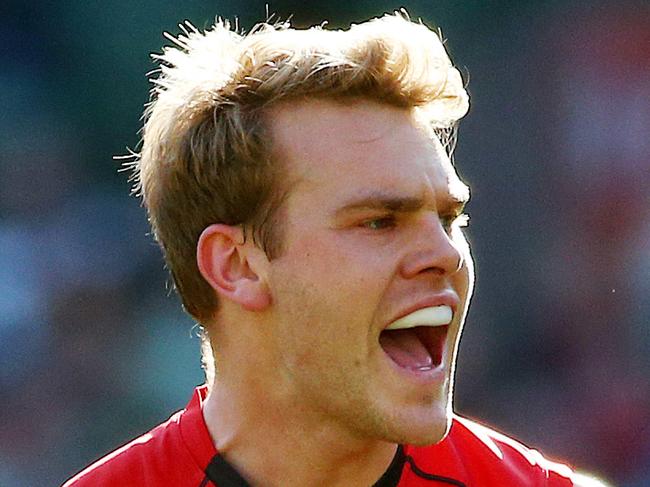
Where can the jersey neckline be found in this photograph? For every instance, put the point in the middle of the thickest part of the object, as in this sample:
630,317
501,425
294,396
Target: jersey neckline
223,474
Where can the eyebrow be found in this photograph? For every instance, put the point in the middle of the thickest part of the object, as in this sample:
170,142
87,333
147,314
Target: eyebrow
399,204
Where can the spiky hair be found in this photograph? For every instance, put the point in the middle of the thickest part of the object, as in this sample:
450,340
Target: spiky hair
206,153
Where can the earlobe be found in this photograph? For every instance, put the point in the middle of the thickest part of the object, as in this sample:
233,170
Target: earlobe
233,267
253,295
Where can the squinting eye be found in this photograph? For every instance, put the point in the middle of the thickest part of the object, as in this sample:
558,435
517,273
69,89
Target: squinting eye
462,220
379,223
458,221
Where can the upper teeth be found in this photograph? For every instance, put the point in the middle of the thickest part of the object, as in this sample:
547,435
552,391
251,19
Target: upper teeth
432,316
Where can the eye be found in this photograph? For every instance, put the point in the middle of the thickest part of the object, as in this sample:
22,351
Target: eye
381,223
458,221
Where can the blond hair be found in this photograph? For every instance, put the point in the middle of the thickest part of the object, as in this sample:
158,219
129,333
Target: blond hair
207,155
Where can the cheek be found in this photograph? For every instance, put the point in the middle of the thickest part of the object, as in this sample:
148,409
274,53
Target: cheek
338,264
467,274
325,297
317,331
464,280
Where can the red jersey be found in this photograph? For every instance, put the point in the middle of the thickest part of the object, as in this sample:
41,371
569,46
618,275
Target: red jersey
180,453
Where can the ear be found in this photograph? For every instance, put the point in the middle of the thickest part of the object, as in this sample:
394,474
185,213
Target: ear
234,268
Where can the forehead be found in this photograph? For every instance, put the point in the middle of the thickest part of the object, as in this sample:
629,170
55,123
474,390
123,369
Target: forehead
339,149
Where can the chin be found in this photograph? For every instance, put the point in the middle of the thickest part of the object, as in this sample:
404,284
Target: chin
435,433
429,439
422,431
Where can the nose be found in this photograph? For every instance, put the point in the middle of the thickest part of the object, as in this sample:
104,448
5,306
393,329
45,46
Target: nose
433,251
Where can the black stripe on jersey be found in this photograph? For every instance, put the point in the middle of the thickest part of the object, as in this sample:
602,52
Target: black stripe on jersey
429,476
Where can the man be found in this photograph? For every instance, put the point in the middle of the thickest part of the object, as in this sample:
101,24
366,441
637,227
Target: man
300,185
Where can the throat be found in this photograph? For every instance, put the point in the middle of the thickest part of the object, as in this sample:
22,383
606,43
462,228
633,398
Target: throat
406,349
418,348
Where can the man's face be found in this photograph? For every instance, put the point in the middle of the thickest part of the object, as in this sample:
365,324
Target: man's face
371,235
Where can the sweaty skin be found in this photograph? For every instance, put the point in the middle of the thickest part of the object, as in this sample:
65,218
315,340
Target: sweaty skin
371,234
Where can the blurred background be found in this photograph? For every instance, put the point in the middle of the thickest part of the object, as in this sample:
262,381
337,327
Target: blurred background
94,348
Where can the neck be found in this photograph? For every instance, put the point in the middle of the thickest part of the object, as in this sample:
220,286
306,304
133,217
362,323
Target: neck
273,441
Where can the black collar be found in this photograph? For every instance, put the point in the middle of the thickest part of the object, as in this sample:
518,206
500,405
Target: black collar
221,473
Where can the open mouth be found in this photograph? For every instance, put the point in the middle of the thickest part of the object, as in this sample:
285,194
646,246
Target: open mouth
419,348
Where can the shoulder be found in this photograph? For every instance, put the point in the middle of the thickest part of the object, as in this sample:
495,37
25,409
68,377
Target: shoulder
173,453
473,454
132,463
496,448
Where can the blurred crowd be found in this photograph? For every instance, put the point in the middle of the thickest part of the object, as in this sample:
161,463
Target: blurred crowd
94,348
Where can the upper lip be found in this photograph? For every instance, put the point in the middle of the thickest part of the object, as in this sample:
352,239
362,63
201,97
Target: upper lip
447,297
